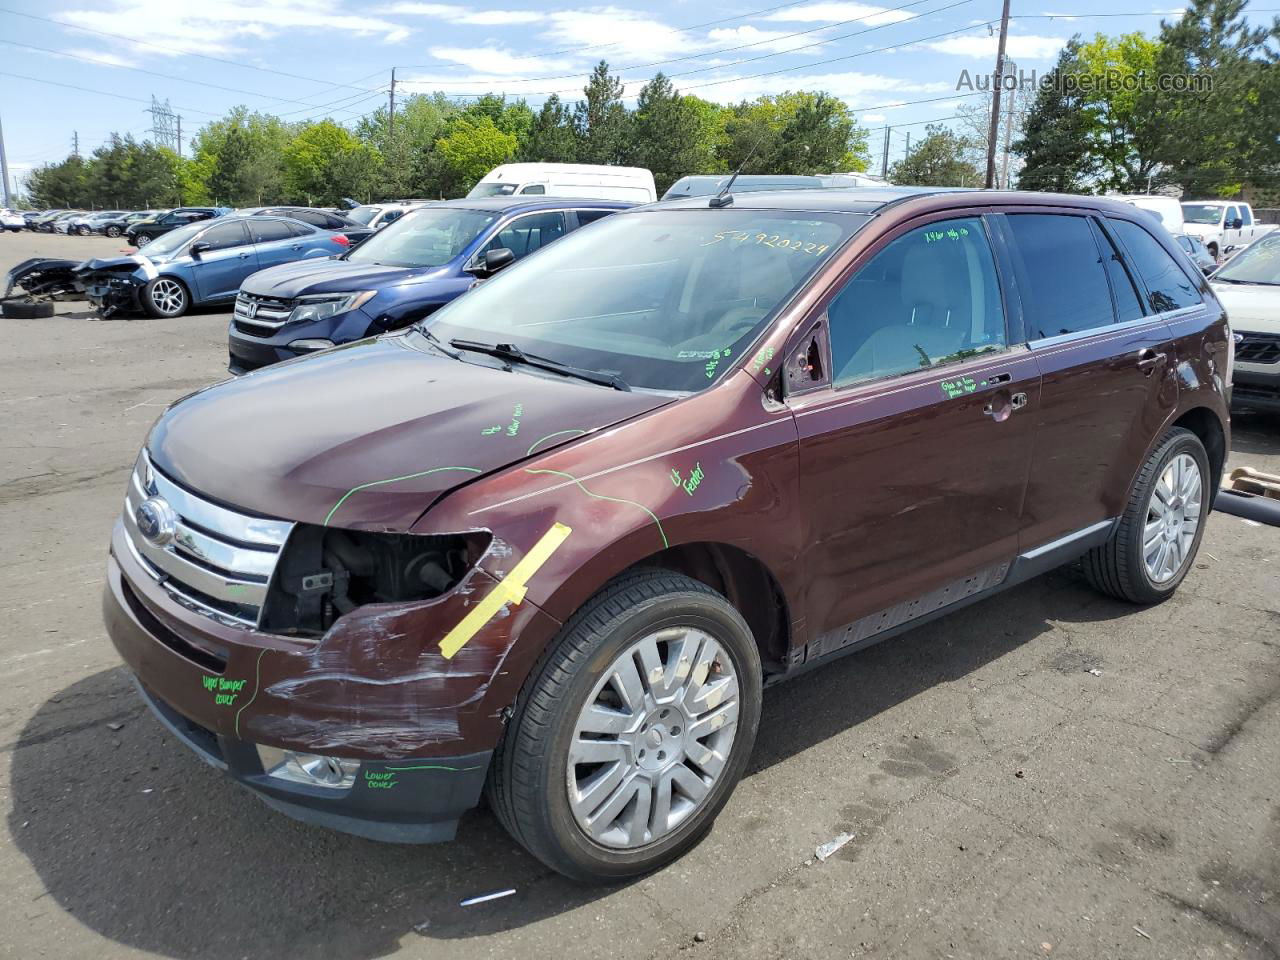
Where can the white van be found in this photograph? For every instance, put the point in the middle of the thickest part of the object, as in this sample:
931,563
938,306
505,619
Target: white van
582,180
1167,209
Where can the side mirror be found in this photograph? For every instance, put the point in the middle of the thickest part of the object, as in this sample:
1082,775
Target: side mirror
1237,223
199,247
493,261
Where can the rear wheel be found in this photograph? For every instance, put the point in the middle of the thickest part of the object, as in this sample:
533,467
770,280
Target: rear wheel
83,231
27,309
1156,541
112,231
631,735
165,297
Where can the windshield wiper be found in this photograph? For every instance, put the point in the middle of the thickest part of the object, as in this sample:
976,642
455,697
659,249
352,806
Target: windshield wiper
438,343
511,353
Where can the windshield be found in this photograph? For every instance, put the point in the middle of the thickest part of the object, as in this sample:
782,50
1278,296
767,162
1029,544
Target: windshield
492,190
1257,263
364,215
429,237
175,239
1209,213
659,299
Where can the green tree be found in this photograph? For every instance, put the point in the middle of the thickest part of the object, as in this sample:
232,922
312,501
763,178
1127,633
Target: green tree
325,162
552,138
797,132
473,147
1128,133
1055,132
936,161
64,184
242,154
669,134
601,119
410,167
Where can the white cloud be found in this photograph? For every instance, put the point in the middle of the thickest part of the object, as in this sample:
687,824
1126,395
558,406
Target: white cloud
839,10
872,118
103,57
776,41
1018,46
215,26
398,36
452,13
856,89
636,36
495,61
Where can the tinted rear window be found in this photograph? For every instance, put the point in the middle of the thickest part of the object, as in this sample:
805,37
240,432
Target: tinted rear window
1168,287
1061,276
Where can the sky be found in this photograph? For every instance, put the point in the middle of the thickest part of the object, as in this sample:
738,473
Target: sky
91,67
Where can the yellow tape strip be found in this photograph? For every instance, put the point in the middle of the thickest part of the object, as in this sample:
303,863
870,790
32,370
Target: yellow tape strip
511,589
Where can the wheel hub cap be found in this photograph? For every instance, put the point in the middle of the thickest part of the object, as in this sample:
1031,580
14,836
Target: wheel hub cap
1173,517
653,738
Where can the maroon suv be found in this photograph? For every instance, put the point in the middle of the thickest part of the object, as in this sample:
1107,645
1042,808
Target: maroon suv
553,544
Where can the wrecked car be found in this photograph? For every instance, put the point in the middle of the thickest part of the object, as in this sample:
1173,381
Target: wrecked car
32,286
552,545
201,263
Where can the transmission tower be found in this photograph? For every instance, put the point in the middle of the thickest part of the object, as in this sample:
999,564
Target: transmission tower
164,125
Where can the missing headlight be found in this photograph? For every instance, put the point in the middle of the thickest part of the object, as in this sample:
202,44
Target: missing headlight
327,572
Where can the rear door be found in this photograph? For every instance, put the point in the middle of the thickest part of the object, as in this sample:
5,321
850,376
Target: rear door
275,242
229,260
1104,356
914,450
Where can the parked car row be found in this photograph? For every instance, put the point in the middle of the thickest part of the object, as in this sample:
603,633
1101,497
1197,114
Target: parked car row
549,542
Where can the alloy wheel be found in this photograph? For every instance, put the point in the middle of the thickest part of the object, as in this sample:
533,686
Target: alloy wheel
168,296
653,738
1173,515
143,240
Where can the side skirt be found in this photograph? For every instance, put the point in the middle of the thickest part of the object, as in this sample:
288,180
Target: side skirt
946,599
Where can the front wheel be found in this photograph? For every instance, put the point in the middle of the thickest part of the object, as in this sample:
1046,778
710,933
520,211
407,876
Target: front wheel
165,297
142,239
1155,543
632,733
112,231
83,231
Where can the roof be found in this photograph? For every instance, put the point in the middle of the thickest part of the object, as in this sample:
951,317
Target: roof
504,204
868,200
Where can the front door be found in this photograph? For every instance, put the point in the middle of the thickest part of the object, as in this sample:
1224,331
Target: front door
229,260
913,459
1104,355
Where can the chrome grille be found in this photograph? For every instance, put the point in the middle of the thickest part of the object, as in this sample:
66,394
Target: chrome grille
219,562
261,316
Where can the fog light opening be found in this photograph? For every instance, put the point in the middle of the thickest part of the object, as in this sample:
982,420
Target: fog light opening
310,346
312,769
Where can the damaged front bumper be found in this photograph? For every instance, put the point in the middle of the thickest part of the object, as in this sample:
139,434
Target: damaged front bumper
408,732
110,285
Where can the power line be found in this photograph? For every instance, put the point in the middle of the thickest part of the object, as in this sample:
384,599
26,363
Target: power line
169,49
153,73
101,93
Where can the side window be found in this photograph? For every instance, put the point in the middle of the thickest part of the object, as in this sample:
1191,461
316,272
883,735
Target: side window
930,297
391,215
265,231
223,235
299,229
1060,274
591,216
1169,288
523,235
1229,220
1128,303
1246,217
534,188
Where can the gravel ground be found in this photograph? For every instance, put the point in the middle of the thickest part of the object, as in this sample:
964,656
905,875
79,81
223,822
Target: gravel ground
1004,800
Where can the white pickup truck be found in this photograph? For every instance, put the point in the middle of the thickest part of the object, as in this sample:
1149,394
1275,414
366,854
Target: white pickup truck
1222,224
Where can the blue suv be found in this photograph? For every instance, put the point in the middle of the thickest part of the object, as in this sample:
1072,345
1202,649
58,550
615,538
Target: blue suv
400,275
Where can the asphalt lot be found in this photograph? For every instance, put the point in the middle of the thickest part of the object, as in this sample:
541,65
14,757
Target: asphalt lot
1005,801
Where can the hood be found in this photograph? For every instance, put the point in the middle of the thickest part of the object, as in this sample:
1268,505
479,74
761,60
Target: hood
128,263
1250,306
303,277
378,429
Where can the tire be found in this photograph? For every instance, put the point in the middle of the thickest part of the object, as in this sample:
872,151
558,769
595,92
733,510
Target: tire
532,777
112,231
83,231
27,309
165,297
1213,251
1159,509
142,239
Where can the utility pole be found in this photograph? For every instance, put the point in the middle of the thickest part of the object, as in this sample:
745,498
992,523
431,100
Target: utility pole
4,170
1012,69
391,110
75,140
179,138
998,82
884,163
908,153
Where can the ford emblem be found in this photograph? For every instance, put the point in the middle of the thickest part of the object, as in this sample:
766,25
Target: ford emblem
156,521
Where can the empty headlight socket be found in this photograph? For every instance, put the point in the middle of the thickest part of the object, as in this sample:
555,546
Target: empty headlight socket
326,572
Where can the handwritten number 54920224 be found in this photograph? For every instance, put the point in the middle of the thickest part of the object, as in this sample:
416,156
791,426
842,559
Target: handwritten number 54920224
773,240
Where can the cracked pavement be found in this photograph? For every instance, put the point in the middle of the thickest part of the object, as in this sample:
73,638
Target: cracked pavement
1004,801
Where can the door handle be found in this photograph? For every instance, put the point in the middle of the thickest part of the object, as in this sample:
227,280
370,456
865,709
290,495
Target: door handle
1001,412
1148,360
244,256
